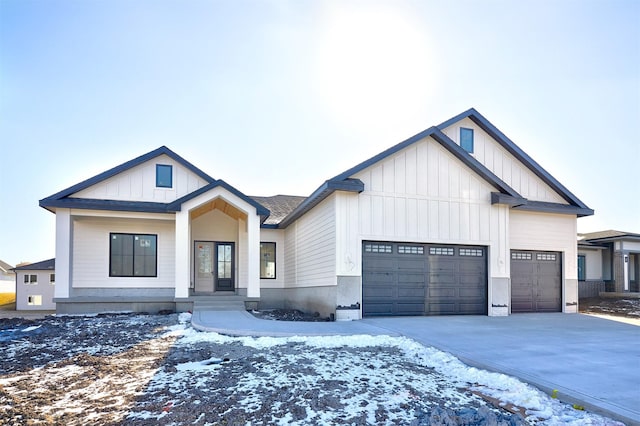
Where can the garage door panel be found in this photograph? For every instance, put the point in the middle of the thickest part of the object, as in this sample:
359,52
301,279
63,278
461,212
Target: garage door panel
471,293
443,309
442,279
471,280
378,277
441,293
470,308
411,278
411,264
378,263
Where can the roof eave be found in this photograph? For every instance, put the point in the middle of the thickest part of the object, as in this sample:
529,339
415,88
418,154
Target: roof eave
319,195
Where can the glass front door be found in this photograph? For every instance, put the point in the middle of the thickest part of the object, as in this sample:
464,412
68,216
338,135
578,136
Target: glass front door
224,266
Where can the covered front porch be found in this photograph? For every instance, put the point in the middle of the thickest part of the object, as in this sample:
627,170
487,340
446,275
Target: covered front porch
218,247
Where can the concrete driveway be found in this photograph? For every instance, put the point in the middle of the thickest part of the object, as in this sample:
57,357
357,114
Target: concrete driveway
591,361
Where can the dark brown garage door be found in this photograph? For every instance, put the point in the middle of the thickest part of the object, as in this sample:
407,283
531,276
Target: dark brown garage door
536,281
423,279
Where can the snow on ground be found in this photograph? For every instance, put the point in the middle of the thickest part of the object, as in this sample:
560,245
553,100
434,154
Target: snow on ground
176,375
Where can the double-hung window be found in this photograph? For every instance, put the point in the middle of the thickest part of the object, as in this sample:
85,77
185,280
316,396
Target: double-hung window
31,279
133,255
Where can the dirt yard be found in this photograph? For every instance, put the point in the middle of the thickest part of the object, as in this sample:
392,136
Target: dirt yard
622,307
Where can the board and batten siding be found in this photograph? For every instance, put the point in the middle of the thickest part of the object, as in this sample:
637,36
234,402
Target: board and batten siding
139,184
424,194
310,244
504,165
91,252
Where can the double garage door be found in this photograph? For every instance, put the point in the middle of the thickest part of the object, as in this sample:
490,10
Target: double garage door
423,279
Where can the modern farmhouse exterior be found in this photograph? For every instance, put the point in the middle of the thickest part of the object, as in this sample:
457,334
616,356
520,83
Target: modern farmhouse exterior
454,220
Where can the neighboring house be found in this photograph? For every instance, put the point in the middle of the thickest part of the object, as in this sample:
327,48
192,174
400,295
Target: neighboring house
608,261
7,278
35,286
454,220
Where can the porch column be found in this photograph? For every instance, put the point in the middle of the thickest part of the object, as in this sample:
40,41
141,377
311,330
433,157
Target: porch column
64,236
183,278
253,255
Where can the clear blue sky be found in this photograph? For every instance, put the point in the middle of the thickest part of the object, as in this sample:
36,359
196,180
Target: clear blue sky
277,96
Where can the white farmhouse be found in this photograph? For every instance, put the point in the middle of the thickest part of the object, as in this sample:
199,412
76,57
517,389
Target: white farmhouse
454,220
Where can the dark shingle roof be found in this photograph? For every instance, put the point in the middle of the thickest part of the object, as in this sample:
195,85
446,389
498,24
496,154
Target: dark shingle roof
607,235
279,205
49,264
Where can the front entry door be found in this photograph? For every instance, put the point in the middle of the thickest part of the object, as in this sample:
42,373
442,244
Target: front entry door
224,267
214,267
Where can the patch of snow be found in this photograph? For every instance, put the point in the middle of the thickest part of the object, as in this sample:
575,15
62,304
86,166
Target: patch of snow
33,327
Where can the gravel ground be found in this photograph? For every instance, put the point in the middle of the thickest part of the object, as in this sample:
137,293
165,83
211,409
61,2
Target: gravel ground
129,369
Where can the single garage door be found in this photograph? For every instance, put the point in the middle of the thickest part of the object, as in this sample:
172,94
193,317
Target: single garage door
423,279
536,281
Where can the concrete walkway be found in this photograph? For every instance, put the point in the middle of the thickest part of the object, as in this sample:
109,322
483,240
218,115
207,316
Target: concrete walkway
591,361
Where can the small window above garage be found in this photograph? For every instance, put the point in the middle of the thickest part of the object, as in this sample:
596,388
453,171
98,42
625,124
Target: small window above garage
164,176
466,139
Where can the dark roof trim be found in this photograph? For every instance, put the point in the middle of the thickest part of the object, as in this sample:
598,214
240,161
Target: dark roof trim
49,264
473,164
326,189
123,167
260,209
510,146
449,145
499,198
110,205
544,207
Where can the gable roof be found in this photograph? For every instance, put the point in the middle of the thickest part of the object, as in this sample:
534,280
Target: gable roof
505,194
63,199
515,150
163,150
45,265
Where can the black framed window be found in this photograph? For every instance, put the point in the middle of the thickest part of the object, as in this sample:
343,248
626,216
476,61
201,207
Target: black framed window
466,139
164,176
133,255
268,260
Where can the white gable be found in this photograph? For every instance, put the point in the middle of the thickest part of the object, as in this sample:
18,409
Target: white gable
139,184
423,192
504,165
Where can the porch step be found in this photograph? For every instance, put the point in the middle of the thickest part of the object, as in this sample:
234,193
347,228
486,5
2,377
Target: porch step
220,305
